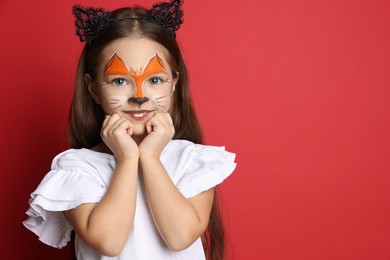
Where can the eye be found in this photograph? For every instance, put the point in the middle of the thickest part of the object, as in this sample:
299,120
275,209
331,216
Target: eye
119,82
155,80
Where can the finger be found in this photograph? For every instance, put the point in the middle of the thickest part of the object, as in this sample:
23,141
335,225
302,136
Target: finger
105,121
155,123
103,131
126,126
111,124
159,122
112,121
130,130
149,126
166,120
169,118
170,123
116,124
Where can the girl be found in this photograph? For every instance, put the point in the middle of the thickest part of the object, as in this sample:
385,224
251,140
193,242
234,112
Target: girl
137,183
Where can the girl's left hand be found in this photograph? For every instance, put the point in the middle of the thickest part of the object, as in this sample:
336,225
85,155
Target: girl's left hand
160,131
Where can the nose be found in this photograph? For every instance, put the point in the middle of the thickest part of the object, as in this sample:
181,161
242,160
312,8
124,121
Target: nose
138,100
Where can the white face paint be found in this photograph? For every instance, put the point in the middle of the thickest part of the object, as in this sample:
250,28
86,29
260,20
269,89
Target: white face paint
161,101
116,102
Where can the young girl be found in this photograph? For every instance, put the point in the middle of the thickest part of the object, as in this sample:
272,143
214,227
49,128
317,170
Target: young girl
137,183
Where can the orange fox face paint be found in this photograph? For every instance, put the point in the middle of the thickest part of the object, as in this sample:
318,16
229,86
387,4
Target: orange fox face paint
116,66
149,86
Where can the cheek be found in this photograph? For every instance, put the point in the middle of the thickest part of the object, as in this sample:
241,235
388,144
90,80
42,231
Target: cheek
161,102
112,99
115,102
168,106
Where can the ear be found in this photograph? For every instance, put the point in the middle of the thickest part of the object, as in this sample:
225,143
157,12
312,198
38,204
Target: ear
175,79
92,89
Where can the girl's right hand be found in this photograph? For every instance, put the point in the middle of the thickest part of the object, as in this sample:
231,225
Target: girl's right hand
116,133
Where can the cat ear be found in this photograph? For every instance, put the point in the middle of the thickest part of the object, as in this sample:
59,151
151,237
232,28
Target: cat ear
90,22
167,14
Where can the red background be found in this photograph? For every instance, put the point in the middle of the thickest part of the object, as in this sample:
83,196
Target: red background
298,89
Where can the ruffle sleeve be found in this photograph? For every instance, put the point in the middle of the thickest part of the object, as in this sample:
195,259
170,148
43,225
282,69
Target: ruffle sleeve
60,190
206,167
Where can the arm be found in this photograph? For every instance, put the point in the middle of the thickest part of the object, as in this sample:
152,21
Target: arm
180,221
105,226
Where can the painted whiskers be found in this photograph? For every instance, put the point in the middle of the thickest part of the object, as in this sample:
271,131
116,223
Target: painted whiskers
151,79
159,102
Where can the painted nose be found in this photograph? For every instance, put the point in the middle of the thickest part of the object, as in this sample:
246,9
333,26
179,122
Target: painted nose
138,100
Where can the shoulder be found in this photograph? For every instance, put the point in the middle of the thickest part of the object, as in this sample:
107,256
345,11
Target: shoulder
76,158
180,148
195,167
76,164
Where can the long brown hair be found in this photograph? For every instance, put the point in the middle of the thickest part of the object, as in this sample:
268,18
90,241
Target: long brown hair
86,116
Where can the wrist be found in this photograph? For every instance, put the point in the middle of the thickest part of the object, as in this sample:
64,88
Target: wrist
127,166
149,156
126,157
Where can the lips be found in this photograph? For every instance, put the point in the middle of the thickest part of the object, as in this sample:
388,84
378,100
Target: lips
138,115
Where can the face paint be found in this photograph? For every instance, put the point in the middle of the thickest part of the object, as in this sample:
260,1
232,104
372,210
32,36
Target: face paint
117,101
160,101
116,66
155,66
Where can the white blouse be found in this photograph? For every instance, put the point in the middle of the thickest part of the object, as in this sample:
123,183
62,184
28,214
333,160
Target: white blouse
80,176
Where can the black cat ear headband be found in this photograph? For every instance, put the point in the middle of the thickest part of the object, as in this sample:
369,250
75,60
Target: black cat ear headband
91,22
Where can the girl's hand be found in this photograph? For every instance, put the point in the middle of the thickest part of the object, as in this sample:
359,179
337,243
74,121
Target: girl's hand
116,133
160,131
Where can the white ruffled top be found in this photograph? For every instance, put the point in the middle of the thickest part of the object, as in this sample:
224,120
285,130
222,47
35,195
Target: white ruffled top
80,176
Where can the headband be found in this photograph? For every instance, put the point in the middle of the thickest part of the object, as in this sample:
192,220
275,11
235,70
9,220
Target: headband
90,22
